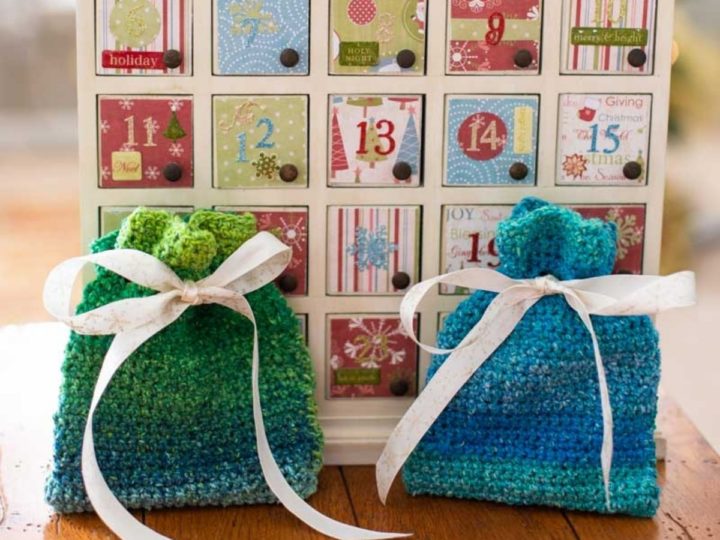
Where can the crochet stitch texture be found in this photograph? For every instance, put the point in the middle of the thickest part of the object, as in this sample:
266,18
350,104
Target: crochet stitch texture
175,427
527,427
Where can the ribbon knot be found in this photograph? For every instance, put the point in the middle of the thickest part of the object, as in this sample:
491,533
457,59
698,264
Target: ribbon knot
191,293
548,285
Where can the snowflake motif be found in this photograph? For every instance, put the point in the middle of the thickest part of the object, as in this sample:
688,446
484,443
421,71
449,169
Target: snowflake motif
151,124
105,172
533,13
462,59
152,172
575,165
629,233
371,248
266,166
176,104
126,104
335,362
104,127
377,343
176,149
366,390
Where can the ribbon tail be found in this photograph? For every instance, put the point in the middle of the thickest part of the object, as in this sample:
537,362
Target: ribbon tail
277,482
606,451
498,322
106,505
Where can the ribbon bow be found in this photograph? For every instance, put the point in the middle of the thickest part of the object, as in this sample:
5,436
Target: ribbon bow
255,264
607,295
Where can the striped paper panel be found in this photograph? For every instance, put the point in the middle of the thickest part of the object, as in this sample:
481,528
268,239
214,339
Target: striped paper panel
368,245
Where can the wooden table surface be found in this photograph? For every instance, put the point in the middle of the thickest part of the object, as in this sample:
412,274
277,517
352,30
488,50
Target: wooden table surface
690,477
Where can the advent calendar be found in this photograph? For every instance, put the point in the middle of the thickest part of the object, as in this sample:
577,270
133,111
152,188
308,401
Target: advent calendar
382,140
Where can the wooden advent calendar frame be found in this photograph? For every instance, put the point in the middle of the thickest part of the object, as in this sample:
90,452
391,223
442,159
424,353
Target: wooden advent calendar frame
356,429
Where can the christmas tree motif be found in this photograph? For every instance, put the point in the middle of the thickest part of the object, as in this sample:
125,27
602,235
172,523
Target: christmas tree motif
174,130
362,12
372,144
339,160
410,146
403,101
365,102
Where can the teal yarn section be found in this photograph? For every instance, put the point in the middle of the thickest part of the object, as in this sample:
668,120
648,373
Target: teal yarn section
175,427
527,427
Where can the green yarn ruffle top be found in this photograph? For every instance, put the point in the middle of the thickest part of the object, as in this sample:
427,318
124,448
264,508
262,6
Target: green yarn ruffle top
175,427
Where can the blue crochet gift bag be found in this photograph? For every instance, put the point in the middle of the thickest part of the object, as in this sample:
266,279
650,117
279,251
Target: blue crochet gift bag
527,427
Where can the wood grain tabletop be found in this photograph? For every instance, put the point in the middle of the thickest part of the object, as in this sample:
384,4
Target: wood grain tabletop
690,478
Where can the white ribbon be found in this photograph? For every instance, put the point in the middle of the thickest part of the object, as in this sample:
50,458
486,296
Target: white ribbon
135,320
607,295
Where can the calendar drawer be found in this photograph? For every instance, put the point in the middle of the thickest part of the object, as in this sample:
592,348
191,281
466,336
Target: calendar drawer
375,140
145,141
603,139
494,36
468,239
260,141
491,140
371,37
111,217
370,356
630,222
290,224
373,249
609,36
261,37
144,37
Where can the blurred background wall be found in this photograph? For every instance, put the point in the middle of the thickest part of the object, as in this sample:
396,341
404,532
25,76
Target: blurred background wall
39,216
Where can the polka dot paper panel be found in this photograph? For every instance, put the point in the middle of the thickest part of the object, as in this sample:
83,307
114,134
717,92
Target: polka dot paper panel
260,141
251,36
382,37
491,140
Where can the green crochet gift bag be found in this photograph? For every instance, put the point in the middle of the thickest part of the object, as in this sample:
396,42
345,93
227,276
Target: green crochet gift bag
175,426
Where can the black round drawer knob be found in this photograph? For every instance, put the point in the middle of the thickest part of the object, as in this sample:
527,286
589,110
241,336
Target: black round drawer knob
289,58
401,281
519,171
402,170
289,173
172,58
523,58
632,170
173,172
399,387
405,58
287,283
637,58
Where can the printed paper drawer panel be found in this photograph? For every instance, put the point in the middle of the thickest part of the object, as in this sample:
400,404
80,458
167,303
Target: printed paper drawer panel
290,224
375,140
144,37
609,36
603,139
494,36
468,234
630,223
145,141
260,141
111,217
372,249
370,356
377,37
262,37
491,140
